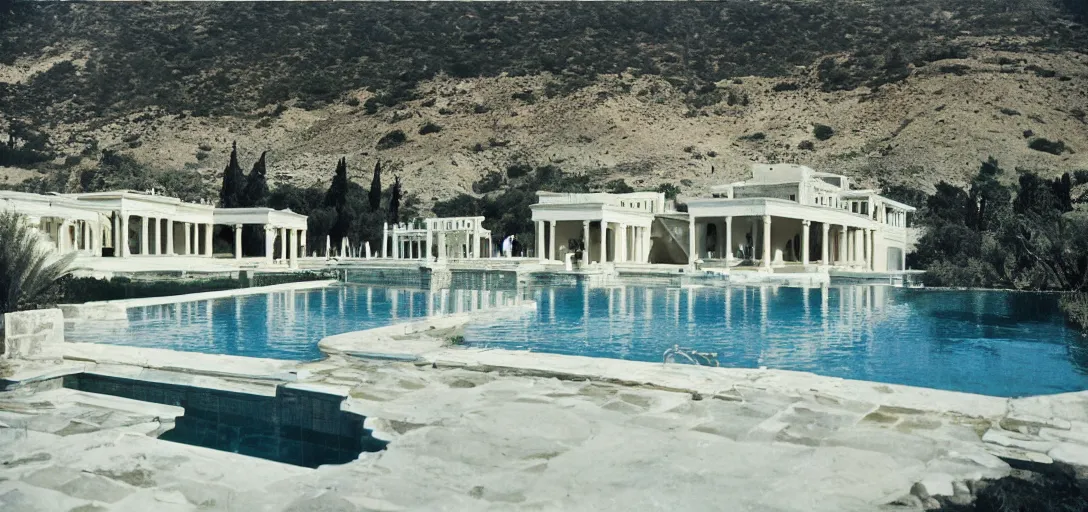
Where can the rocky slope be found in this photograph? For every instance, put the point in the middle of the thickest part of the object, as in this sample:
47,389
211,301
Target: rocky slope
1004,87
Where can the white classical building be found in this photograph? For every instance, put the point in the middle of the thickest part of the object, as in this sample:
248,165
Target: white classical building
783,215
124,223
603,227
792,214
442,238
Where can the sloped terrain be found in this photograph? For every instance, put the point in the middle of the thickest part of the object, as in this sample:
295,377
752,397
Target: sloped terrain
914,92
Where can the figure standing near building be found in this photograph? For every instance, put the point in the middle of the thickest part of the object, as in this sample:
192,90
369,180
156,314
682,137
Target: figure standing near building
508,246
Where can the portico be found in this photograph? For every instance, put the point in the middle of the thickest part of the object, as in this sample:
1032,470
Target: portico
286,226
773,232
596,228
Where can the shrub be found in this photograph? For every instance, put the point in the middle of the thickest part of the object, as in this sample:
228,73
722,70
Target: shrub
353,102
527,96
514,171
480,109
618,187
1080,176
429,128
1075,307
754,137
806,145
1048,146
392,139
785,86
822,131
670,190
491,182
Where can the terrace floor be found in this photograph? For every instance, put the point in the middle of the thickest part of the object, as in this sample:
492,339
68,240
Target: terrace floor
479,437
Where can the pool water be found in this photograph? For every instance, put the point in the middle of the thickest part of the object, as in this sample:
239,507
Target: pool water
989,342
280,325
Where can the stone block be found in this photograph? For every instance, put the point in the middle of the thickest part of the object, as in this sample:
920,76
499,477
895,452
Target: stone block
1069,453
32,333
933,484
1015,440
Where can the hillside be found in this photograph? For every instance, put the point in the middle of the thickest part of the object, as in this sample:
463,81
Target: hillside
689,94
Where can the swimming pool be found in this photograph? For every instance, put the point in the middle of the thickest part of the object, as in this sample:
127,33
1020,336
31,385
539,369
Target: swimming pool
278,325
989,342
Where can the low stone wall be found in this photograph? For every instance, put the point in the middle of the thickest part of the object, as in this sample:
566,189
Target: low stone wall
31,333
411,277
95,311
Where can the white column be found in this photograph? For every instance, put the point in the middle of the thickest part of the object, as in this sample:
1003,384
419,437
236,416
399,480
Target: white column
292,244
585,238
859,244
427,244
269,243
143,236
872,249
621,244
766,241
842,245
208,248
302,242
123,235
691,239
441,246
604,241
188,245
806,226
728,248
826,244
553,245
115,223
473,244
385,237
540,240
157,248
237,241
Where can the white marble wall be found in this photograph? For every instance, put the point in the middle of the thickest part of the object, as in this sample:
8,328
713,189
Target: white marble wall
31,333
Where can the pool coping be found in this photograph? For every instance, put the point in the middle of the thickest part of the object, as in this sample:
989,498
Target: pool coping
216,294
410,342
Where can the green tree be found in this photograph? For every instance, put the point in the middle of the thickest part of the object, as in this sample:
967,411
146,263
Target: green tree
256,190
234,180
27,267
376,187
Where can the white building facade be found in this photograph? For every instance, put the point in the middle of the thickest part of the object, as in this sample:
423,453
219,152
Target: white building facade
603,228
124,224
791,214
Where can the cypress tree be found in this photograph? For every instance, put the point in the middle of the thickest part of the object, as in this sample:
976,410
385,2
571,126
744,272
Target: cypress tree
337,195
394,201
256,191
234,180
376,188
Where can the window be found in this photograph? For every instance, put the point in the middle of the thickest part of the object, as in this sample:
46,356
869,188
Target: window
793,197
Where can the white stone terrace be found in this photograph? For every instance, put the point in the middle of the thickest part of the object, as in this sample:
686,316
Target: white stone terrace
477,429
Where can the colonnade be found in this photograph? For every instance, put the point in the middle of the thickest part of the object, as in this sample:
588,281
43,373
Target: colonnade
856,246
630,244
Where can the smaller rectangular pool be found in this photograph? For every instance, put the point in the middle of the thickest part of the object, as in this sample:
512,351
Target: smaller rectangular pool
279,325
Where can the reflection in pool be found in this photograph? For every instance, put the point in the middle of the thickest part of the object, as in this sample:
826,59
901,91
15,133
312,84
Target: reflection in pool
989,342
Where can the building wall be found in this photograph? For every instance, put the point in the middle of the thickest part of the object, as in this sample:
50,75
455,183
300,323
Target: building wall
564,232
780,191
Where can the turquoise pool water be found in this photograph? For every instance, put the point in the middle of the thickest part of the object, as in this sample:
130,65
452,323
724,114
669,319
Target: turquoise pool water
281,325
988,342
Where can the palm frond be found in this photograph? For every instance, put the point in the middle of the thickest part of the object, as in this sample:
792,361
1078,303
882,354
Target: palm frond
28,267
